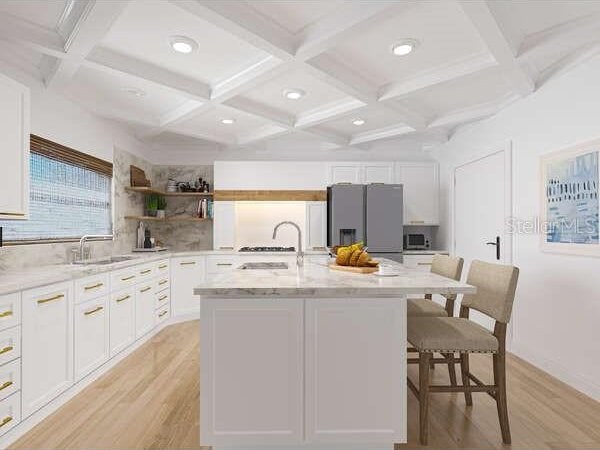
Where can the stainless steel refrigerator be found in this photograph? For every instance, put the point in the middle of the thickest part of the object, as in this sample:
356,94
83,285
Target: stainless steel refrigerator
370,213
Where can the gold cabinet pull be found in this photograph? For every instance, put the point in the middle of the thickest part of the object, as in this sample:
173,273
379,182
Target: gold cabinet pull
6,349
146,289
122,299
5,421
51,299
162,313
417,221
162,297
187,263
163,282
163,266
144,272
5,385
424,264
93,286
6,314
224,264
92,311
225,248
130,277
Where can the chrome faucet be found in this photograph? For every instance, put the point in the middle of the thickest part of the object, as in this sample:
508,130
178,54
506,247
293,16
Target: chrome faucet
300,253
84,238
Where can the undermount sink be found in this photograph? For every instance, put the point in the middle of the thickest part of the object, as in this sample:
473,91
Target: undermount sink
104,261
264,265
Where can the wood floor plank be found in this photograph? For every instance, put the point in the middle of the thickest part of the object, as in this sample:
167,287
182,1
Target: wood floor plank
151,400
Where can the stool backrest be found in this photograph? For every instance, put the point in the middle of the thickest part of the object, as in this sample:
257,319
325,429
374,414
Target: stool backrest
496,285
448,267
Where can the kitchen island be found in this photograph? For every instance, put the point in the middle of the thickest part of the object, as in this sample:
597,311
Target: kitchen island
307,357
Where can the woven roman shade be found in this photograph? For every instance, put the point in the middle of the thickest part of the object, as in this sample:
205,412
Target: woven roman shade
68,155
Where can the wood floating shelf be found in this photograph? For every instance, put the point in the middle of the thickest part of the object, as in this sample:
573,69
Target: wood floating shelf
169,219
271,195
149,190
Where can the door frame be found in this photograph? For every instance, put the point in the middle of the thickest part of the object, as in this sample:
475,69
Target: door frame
509,247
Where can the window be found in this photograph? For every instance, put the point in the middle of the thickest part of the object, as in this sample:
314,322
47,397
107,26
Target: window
70,195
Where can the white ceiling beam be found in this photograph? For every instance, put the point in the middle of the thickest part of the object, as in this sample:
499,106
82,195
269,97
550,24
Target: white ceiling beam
568,63
327,112
499,46
381,133
42,40
325,135
248,78
267,132
259,110
472,113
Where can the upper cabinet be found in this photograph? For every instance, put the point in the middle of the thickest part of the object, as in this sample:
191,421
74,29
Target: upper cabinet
224,225
14,141
360,172
421,192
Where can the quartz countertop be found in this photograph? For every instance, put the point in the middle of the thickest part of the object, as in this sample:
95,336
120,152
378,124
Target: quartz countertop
315,279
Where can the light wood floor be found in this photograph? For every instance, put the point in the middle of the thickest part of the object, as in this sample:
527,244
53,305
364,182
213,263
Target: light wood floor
151,400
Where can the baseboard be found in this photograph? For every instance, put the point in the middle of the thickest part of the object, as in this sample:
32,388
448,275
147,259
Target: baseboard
28,423
577,381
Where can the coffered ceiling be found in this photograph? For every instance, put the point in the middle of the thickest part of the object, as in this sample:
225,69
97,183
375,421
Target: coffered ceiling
470,59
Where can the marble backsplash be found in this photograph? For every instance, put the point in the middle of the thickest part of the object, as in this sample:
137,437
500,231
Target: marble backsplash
175,235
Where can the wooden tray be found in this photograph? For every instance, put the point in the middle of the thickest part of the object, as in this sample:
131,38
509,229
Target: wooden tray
353,268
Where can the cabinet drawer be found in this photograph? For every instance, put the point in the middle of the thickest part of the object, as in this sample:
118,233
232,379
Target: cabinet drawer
421,262
162,283
161,299
146,271
216,264
163,314
123,278
10,412
92,287
162,267
10,344
10,378
10,310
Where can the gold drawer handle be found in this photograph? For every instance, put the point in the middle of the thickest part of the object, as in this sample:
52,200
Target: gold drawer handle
417,221
162,297
6,314
6,349
5,421
424,264
187,263
144,272
131,277
162,314
224,264
122,299
163,266
225,248
51,299
95,310
163,282
146,289
5,385
94,286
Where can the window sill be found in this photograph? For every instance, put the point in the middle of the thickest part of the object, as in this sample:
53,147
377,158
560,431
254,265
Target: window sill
52,241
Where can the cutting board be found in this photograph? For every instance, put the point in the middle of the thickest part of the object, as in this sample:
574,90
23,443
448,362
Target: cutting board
353,269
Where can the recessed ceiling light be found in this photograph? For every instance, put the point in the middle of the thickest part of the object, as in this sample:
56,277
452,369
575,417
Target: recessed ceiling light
294,94
228,121
133,91
183,44
404,47
358,122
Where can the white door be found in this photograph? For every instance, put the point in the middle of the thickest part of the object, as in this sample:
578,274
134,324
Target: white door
186,274
91,344
482,203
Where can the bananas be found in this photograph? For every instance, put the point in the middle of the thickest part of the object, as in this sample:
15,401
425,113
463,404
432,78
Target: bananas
354,255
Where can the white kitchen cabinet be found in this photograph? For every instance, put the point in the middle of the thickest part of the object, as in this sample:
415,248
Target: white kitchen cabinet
122,320
10,378
47,354
10,412
382,172
10,310
316,225
186,274
144,308
14,142
344,172
91,338
224,225
10,344
421,192
361,172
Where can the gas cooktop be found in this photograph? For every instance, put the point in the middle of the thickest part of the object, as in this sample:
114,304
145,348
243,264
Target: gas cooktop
267,249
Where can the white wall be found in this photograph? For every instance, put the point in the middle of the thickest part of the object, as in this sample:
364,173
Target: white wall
556,319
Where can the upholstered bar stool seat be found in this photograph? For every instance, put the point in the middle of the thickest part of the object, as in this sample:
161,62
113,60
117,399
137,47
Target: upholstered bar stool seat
423,307
450,335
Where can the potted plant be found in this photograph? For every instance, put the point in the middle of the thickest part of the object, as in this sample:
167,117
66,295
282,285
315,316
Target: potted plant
161,207
151,205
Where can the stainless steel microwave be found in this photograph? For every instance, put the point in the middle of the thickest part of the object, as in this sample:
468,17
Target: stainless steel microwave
415,241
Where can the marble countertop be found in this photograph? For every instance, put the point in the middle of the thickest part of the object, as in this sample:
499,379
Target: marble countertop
315,279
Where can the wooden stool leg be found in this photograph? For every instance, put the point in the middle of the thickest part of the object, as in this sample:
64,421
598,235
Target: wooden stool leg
424,359
451,368
464,370
501,402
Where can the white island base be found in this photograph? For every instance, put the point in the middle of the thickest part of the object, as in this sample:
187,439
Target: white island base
301,373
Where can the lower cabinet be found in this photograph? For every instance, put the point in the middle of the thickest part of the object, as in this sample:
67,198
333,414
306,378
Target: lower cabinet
47,344
186,274
10,412
91,329
122,320
144,308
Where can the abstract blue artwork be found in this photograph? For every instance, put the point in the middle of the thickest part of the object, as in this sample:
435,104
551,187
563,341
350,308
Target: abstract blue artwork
571,188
